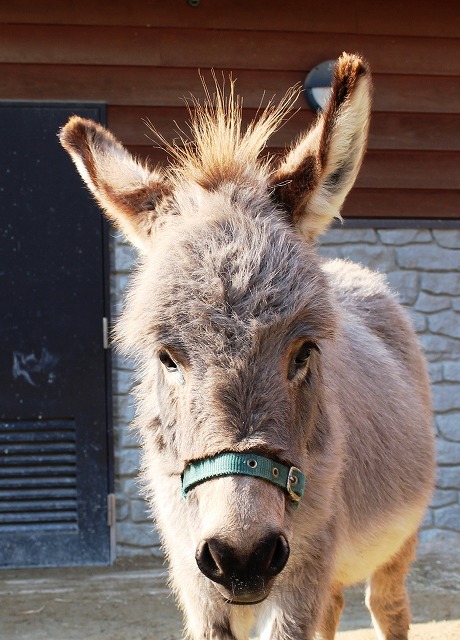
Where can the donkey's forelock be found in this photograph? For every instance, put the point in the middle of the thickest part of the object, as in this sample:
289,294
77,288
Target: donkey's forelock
220,150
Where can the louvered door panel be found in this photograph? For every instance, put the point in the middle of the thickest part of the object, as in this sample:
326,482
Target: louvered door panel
38,481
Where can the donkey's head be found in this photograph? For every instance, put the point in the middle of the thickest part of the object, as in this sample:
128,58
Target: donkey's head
228,316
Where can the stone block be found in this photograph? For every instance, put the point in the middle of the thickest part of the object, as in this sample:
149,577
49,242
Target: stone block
122,281
330,252
446,397
137,535
116,437
117,237
375,257
405,284
448,517
451,371
123,409
445,322
121,508
443,497
428,303
427,519
346,236
127,551
122,381
447,283
436,372
404,236
127,462
449,425
428,257
131,487
119,361
449,238
448,478
419,321
128,437
140,511
438,346
124,258
116,308
448,452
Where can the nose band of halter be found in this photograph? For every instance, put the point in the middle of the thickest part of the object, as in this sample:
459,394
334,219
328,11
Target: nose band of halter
291,479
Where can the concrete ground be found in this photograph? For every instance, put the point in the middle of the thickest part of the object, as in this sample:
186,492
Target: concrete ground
131,601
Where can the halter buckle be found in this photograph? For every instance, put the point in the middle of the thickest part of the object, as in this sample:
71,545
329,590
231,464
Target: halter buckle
292,481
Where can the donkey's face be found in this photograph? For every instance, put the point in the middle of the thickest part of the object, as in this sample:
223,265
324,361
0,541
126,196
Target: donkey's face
229,311
232,364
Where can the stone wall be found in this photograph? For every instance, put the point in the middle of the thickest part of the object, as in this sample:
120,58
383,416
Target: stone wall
423,266
135,531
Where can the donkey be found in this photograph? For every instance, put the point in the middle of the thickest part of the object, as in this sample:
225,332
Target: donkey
283,402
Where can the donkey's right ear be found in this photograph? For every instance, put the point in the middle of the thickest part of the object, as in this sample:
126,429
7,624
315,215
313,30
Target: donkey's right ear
128,192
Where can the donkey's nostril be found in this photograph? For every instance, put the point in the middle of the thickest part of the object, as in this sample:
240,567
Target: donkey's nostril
207,556
279,556
270,555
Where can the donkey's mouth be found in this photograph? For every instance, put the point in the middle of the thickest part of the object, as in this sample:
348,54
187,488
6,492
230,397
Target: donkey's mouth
247,602
242,597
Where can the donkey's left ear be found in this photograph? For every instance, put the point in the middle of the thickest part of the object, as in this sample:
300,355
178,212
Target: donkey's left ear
129,192
312,181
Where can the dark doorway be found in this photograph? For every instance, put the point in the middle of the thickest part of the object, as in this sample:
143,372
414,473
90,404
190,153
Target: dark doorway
55,439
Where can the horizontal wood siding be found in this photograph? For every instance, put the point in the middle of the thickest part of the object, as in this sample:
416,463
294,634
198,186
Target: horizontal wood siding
141,58
411,17
230,49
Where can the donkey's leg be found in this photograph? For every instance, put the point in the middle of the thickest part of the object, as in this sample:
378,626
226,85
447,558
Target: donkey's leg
386,595
331,615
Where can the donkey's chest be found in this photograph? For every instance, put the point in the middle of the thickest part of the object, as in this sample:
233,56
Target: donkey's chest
362,553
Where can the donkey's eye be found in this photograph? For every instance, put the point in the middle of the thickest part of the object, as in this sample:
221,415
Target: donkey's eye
300,359
168,362
303,354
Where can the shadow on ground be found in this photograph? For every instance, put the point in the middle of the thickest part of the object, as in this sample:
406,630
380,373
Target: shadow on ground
131,600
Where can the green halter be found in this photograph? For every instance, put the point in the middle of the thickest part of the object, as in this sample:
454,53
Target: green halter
291,479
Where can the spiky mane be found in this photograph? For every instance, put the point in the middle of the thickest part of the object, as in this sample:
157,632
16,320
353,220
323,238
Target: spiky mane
219,149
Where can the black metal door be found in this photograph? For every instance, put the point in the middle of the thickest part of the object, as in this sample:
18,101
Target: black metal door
54,370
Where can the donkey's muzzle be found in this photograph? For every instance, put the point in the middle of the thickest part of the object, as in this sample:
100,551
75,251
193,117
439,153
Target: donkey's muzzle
246,577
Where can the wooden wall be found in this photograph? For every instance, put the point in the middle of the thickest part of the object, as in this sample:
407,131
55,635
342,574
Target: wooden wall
141,58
